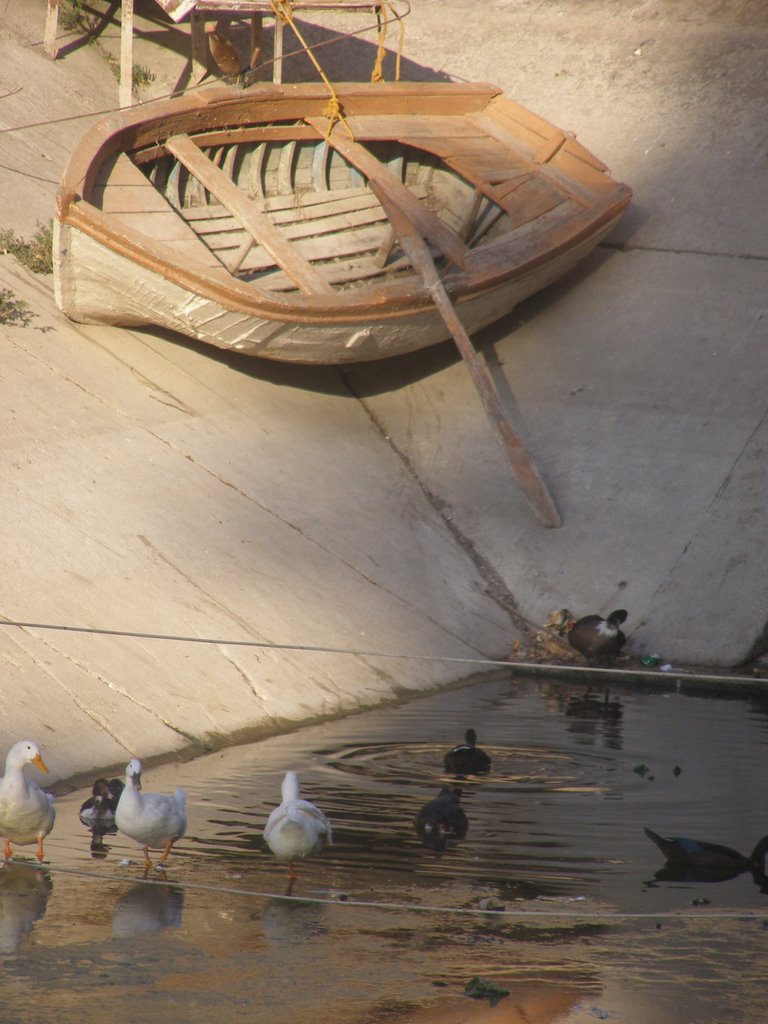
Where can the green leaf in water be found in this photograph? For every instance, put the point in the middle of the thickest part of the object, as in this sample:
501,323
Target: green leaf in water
482,988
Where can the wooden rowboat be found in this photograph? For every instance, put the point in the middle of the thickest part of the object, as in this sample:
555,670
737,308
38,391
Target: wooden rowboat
244,218
226,215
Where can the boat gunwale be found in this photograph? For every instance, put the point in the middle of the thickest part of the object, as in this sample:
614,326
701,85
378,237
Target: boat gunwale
399,298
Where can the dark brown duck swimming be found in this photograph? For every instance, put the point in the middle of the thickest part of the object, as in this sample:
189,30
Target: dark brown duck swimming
441,819
708,861
598,639
467,758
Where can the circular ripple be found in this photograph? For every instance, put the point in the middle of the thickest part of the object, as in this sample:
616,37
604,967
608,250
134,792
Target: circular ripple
522,768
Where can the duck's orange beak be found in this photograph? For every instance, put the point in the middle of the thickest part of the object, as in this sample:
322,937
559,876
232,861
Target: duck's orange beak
38,762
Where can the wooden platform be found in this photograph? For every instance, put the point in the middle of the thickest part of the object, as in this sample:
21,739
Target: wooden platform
200,11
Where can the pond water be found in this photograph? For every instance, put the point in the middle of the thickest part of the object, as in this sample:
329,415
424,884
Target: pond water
379,929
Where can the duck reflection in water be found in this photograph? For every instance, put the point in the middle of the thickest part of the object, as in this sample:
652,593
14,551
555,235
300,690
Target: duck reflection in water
694,860
24,892
147,907
593,715
293,922
441,820
592,705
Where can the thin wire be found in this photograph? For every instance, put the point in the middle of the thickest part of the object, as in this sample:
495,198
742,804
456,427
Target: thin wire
223,642
629,674
347,901
196,88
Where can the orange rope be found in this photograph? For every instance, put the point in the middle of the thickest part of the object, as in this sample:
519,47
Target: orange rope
377,75
282,10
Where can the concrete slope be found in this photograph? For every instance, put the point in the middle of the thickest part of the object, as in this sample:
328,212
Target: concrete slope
157,487
640,381
150,487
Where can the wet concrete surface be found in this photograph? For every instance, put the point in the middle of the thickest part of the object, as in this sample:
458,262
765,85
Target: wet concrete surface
379,928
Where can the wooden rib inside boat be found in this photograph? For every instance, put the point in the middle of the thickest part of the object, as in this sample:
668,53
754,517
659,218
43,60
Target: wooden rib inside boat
236,217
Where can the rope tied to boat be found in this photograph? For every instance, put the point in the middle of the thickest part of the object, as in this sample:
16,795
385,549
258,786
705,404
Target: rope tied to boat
283,10
383,15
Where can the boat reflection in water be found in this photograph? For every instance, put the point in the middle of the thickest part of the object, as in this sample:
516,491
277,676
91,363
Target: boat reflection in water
24,892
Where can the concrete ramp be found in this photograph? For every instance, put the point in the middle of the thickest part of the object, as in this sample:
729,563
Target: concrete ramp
154,486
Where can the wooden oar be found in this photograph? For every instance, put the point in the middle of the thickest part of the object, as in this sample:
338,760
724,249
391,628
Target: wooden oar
523,466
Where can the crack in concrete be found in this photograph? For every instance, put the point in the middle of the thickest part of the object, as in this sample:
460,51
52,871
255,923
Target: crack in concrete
496,588
704,517
249,683
715,254
310,540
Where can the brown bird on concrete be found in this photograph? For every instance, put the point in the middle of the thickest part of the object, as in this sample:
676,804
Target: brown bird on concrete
223,51
598,639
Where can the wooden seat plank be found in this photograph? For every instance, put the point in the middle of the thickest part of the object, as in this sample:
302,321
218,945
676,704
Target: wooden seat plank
581,187
408,127
257,223
127,195
534,241
524,204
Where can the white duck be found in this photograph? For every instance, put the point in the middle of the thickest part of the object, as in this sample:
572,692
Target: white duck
296,829
151,819
26,812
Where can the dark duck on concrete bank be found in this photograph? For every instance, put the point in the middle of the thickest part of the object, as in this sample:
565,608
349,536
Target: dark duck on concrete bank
441,819
467,758
599,639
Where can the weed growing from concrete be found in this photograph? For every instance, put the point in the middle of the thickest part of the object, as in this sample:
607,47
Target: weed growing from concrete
14,312
36,254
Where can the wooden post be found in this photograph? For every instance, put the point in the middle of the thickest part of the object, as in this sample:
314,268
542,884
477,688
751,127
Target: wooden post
277,54
126,55
199,45
257,31
51,25
525,471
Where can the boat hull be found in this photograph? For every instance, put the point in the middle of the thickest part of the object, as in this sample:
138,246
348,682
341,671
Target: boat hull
195,253
109,288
